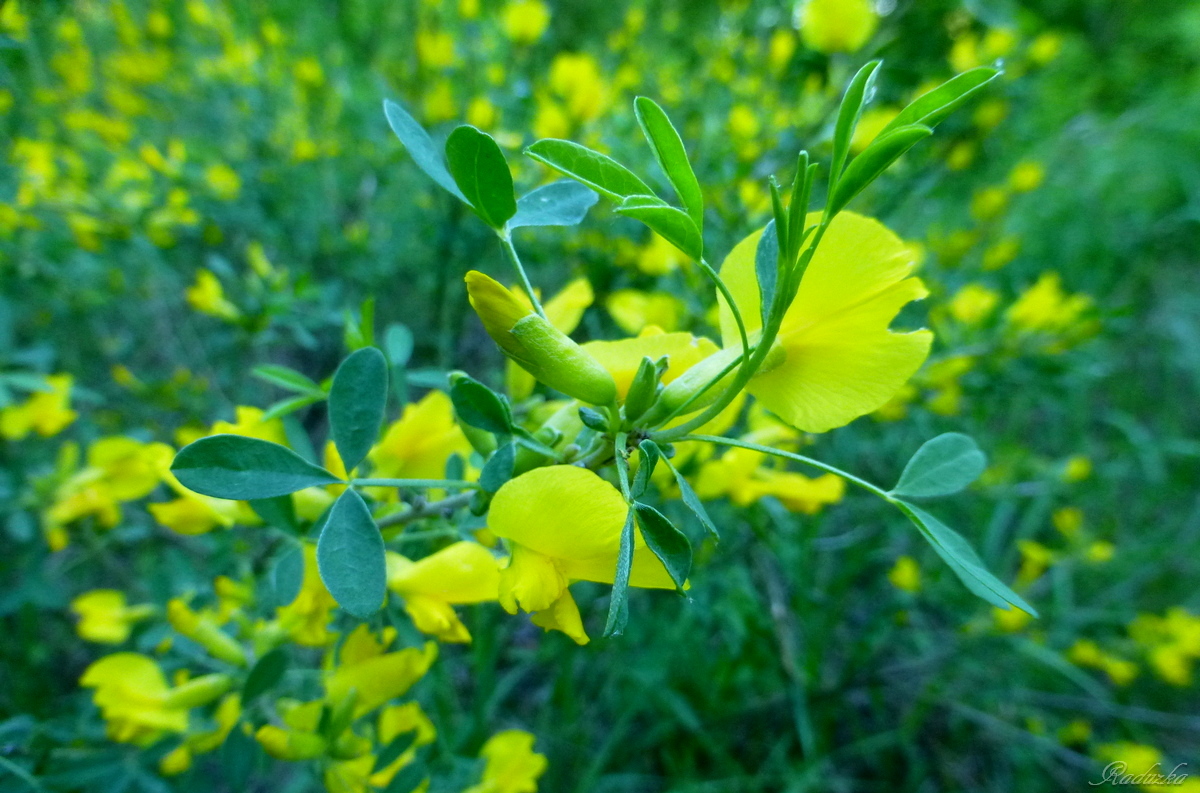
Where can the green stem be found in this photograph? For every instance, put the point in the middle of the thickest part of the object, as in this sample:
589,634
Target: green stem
426,510
619,443
507,243
445,484
707,269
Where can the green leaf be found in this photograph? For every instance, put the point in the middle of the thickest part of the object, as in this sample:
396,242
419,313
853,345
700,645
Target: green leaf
427,156
479,406
357,400
267,672
593,419
958,553
286,378
798,208
240,468
849,112
766,268
932,107
285,407
618,604
279,511
670,223
239,755
601,173
407,779
481,172
693,502
868,166
398,344
499,468
390,753
561,203
671,155
943,465
648,456
350,557
643,390
668,543
287,574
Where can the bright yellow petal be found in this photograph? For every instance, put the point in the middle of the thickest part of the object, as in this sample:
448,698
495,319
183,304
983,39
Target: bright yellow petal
464,572
380,679
531,581
622,358
436,618
563,615
565,309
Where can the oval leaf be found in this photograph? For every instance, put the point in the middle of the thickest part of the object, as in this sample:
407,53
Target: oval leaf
425,154
671,155
670,223
693,502
561,203
601,173
350,557
357,400
481,172
766,268
856,96
240,468
287,574
499,468
479,406
944,465
668,543
931,107
267,672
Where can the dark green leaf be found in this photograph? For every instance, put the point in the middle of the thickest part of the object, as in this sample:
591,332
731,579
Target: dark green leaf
931,108
668,543
427,156
671,155
601,173
285,407
561,203
279,511
240,468
766,268
287,574
407,779
643,390
648,456
357,400
618,605
670,223
267,672
869,165
593,419
944,465
398,344
961,557
693,502
481,172
479,406
239,754
499,468
853,101
350,557
286,378
390,753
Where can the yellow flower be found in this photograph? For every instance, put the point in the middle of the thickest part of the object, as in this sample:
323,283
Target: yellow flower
622,358
873,120
1000,253
418,444
1136,759
533,342
525,21
105,618
45,412
576,79
1100,551
549,119
989,203
659,257
973,304
1045,48
435,49
133,698
633,310
481,113
905,575
376,680
226,715
464,572
1077,469
840,359
1010,620
249,423
306,619
512,765
564,524
781,49
204,628
308,72
837,25
1026,176
224,182
1068,521
208,297
1045,307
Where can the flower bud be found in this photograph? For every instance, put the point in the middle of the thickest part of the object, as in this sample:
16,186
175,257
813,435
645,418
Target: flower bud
203,631
681,389
199,691
537,346
290,744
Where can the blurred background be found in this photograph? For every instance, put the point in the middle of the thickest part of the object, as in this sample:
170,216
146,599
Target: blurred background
193,189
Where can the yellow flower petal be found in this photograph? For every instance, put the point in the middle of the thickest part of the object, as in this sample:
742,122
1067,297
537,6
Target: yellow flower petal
563,615
464,572
380,679
622,358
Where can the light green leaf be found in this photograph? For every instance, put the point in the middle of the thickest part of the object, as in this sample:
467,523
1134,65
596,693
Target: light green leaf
267,672
350,557
868,166
239,468
479,406
693,502
930,108
670,223
561,203
853,101
481,172
357,400
958,553
285,407
648,457
643,390
391,753
601,173
425,154
286,378
943,465
766,268
398,344
671,155
618,604
668,543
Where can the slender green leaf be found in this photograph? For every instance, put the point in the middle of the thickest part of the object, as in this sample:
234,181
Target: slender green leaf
856,96
561,203
239,755
618,604
499,468
932,107
643,390
693,502
798,208
671,155
408,778
668,543
357,400
350,557
286,378
868,166
943,465
240,468
285,407
601,173
966,564
425,154
481,172
391,753
766,268
479,406
267,672
648,456
670,223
